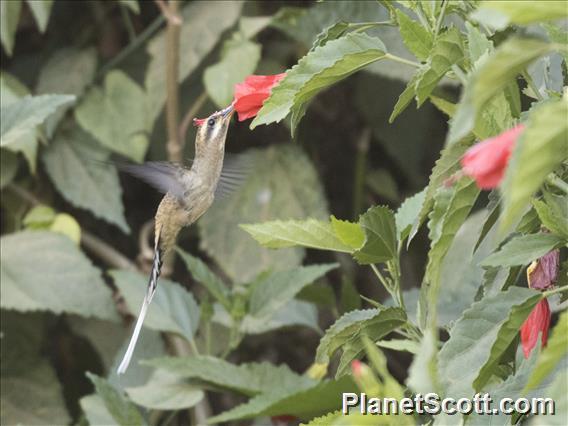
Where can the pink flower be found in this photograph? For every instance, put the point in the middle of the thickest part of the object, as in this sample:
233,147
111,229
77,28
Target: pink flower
536,323
486,161
251,94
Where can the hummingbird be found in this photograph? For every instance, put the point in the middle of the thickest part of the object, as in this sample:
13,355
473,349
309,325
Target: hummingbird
189,192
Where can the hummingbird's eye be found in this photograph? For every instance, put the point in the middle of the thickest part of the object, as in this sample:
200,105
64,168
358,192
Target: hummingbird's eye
211,122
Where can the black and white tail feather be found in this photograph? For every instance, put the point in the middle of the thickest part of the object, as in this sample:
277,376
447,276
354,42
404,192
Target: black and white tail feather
151,290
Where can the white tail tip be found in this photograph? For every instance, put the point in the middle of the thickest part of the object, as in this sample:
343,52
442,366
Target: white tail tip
135,334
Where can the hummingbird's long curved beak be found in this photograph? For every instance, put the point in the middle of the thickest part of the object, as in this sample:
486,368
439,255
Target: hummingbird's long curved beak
227,112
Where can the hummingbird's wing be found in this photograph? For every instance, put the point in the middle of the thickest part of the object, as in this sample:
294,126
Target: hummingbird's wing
162,175
236,170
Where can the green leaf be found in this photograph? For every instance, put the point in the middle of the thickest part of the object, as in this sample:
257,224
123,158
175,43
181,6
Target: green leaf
451,208
407,214
122,411
401,345
477,43
248,379
417,38
325,420
316,71
95,410
480,337
446,165
201,273
492,77
117,115
447,51
173,308
310,233
354,324
551,354
275,290
76,165
8,167
62,278
541,148
238,60
282,184
556,392
41,10
405,97
349,233
12,90
378,223
165,392
461,276
78,67
150,345
553,213
423,372
19,118
332,32
9,18
202,27
294,313
33,397
305,402
523,250
500,14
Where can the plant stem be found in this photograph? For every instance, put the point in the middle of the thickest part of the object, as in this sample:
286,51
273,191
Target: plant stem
555,181
420,13
440,18
189,116
532,86
555,290
459,74
172,73
385,283
363,26
135,44
402,60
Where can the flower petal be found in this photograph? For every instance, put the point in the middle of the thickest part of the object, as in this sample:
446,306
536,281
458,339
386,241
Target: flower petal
537,323
486,161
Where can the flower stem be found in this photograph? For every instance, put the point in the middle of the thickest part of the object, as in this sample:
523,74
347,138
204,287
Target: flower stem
555,290
555,181
402,60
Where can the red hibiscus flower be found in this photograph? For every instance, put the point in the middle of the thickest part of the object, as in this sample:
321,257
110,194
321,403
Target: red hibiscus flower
486,161
251,94
537,323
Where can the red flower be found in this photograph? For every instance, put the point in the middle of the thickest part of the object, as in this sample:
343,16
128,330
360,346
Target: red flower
251,94
537,323
356,367
486,161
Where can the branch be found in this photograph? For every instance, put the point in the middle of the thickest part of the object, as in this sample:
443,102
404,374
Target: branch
92,243
189,116
170,12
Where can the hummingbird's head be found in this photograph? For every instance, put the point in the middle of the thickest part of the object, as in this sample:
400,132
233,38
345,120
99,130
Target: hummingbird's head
212,131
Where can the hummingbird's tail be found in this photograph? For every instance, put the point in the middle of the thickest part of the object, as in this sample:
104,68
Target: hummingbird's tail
152,284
